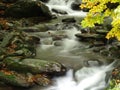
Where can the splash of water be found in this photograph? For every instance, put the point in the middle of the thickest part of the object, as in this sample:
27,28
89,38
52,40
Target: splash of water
65,5
70,42
87,78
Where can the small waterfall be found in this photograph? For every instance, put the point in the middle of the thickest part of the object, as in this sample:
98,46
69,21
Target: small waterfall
65,5
70,42
87,78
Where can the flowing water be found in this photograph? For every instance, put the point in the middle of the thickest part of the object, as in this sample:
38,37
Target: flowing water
72,54
65,5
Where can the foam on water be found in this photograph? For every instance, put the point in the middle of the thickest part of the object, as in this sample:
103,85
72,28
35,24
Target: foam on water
87,78
65,5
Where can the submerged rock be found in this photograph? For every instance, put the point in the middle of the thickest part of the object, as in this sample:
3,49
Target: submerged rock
28,8
93,62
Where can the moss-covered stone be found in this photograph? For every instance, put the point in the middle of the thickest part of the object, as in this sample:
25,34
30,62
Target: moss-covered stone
34,66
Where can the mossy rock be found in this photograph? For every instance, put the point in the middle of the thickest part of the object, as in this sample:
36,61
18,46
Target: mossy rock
34,66
28,8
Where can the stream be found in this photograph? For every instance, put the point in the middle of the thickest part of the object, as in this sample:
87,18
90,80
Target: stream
86,70
73,54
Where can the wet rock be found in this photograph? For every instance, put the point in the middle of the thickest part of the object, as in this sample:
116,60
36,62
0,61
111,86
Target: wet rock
14,79
9,1
104,52
75,6
58,43
41,34
23,8
112,5
94,62
69,20
7,39
88,36
2,6
58,37
98,44
103,32
98,49
34,66
30,29
44,1
59,11
25,80
85,9
47,41
33,39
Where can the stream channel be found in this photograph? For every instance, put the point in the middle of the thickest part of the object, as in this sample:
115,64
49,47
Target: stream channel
73,54
86,70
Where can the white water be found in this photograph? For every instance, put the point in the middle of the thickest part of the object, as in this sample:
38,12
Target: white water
87,78
70,42
65,5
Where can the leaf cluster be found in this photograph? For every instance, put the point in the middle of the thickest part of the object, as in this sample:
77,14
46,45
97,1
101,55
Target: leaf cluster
99,11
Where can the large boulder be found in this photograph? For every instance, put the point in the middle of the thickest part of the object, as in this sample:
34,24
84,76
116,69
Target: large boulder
34,66
28,8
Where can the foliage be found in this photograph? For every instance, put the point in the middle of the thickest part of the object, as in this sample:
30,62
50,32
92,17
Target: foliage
114,86
101,9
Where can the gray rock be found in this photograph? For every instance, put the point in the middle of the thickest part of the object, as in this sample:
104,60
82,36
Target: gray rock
9,1
28,8
88,36
59,11
58,43
34,66
93,62
103,32
2,7
29,29
75,6
58,37
47,41
69,20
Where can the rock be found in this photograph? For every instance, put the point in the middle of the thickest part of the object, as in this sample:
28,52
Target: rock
85,9
47,41
69,20
6,40
40,34
14,79
45,1
58,37
88,36
25,80
59,11
98,44
98,49
94,62
9,1
2,6
30,29
58,43
103,32
112,5
75,6
28,8
34,66
104,52
33,40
